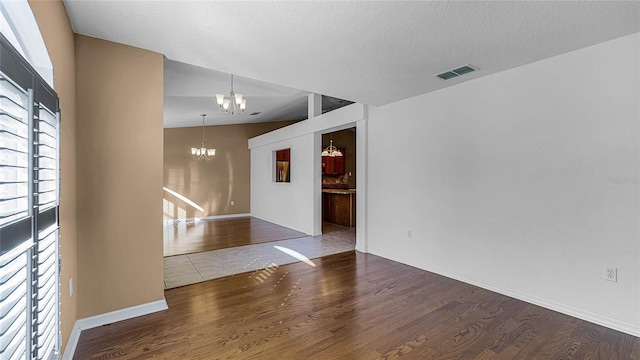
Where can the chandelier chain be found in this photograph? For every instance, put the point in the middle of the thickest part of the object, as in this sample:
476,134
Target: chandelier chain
203,153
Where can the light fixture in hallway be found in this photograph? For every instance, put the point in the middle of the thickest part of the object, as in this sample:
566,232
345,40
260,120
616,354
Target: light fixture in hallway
331,150
234,105
202,153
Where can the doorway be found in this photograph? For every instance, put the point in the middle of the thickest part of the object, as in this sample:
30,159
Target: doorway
339,192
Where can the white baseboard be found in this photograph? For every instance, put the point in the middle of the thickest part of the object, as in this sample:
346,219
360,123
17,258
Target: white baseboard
229,216
109,318
546,303
212,217
70,350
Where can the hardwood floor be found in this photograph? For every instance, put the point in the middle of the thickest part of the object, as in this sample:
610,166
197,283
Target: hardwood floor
180,270
204,235
350,306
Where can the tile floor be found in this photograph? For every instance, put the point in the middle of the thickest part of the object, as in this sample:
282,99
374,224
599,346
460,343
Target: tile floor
188,269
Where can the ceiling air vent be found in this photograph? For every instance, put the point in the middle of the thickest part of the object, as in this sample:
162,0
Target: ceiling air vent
254,113
457,72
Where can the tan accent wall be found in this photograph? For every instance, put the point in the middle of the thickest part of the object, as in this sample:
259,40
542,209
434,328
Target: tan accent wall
211,185
119,141
58,37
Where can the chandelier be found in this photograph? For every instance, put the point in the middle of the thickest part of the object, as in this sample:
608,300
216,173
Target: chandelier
331,150
235,104
203,153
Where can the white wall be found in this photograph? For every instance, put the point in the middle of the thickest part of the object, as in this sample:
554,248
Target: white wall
524,182
298,204
284,203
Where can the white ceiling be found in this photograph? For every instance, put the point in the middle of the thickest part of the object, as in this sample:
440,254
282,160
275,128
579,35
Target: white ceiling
373,52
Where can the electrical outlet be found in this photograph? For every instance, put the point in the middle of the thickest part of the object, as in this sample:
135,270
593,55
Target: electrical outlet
70,287
611,274
233,202
410,234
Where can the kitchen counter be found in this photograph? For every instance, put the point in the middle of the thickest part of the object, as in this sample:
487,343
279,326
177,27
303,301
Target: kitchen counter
339,206
339,191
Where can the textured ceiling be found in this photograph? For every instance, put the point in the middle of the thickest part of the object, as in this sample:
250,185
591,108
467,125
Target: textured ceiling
370,52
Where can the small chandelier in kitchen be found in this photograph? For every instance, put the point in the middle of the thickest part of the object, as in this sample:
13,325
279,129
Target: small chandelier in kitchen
235,104
331,150
202,153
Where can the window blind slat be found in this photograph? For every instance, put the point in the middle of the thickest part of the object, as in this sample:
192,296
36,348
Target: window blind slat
14,318
46,345
15,342
10,108
13,93
9,269
46,314
46,268
45,277
11,217
13,304
18,295
8,287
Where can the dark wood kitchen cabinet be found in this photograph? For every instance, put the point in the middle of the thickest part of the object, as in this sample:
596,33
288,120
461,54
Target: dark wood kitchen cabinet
333,165
339,206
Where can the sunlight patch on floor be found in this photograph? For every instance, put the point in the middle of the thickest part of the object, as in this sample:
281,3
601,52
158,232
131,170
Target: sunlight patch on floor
296,255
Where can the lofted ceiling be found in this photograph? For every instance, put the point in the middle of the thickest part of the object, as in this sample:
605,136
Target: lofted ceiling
191,90
372,52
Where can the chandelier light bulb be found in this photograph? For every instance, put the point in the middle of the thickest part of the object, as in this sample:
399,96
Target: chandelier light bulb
202,153
236,104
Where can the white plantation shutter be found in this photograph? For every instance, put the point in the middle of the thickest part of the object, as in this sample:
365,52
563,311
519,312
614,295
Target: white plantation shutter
46,266
47,158
14,152
47,293
14,210
14,316
29,203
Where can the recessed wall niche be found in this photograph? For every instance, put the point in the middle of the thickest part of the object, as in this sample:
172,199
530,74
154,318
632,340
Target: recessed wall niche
282,170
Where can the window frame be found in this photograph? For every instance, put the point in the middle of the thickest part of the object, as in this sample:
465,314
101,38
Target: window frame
37,233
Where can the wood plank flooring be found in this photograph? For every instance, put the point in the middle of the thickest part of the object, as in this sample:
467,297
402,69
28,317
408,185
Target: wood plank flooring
204,235
181,270
350,306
